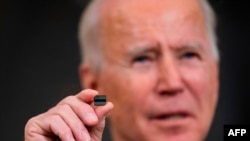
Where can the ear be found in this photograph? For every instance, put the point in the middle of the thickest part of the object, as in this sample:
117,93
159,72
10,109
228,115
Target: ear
88,77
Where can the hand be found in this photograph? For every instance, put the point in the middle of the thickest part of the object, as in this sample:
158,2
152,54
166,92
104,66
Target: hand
72,119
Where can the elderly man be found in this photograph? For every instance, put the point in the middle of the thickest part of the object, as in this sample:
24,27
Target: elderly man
157,62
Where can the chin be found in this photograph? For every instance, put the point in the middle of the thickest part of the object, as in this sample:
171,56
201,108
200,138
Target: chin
180,137
187,135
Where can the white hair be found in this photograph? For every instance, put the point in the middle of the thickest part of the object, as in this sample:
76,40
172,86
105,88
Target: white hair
89,37
210,18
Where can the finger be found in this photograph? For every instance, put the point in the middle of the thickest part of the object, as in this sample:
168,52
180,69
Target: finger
60,128
46,128
87,95
84,111
33,132
102,113
73,121
97,131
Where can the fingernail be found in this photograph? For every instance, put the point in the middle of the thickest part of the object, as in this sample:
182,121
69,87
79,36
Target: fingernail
91,117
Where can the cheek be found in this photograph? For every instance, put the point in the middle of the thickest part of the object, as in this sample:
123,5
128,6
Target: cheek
200,83
195,79
142,84
127,89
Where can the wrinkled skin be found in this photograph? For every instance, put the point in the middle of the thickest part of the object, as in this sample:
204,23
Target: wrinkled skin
157,60
157,69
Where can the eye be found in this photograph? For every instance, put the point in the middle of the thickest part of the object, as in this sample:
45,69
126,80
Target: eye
141,59
143,62
190,55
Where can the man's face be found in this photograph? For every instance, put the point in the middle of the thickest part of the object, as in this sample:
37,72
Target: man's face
158,70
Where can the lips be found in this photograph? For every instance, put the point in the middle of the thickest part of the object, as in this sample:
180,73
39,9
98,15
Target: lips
171,116
172,120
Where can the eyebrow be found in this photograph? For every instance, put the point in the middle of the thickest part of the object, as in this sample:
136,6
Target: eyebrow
146,48
142,50
194,45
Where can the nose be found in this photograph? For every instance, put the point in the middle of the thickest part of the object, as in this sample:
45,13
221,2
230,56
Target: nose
169,78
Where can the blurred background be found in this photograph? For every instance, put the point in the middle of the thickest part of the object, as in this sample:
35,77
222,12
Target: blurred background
40,58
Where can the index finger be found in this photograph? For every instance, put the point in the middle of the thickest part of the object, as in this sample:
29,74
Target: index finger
87,95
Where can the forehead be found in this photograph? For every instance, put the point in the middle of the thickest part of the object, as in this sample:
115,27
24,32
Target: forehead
145,11
125,18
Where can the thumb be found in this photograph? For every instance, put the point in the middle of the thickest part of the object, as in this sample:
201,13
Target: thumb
97,130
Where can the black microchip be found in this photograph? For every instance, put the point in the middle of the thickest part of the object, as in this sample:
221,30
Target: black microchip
100,100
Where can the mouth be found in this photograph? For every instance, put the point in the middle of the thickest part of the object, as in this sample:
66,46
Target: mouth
171,116
170,120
